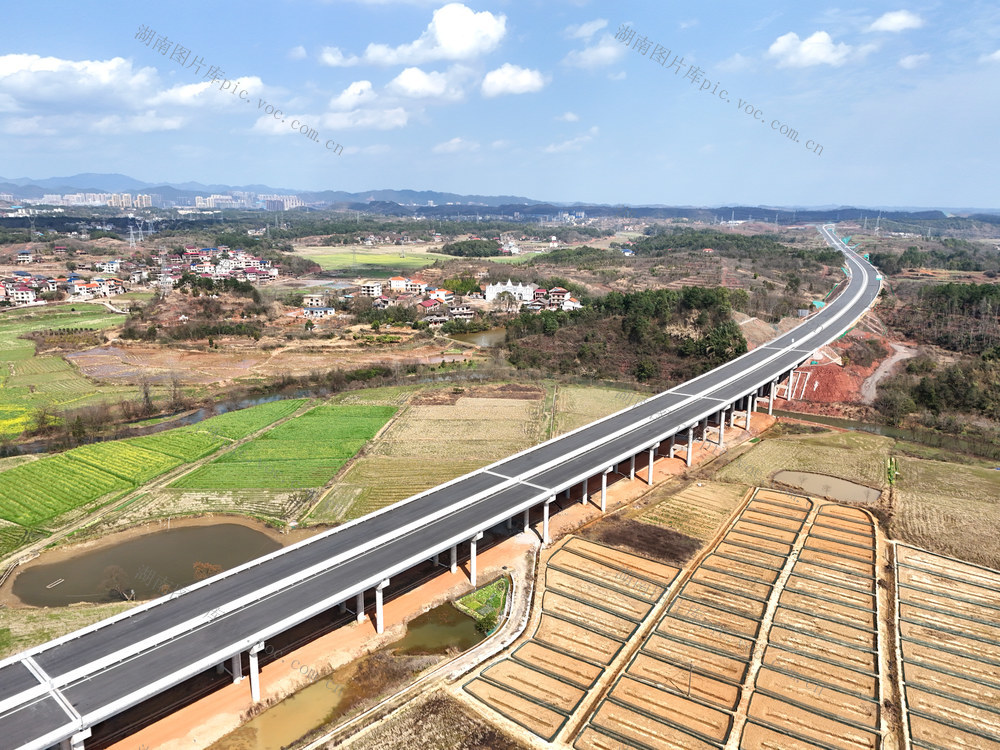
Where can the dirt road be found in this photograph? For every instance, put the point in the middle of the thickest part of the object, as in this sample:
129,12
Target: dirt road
870,386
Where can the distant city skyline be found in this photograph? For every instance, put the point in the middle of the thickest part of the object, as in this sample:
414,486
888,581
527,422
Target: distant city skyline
565,101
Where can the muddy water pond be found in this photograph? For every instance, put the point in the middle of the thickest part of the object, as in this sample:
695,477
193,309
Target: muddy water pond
428,637
489,337
820,485
147,564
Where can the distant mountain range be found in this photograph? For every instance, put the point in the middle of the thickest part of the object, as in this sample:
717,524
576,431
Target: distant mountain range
419,201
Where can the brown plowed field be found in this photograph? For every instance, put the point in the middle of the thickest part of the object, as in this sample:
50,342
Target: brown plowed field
746,570
812,726
959,624
770,519
616,601
699,635
840,549
606,576
837,561
756,737
927,580
948,566
760,591
946,603
673,708
844,535
800,504
749,608
756,543
573,670
751,556
715,617
941,735
814,670
857,618
810,646
678,680
768,532
817,626
594,618
534,684
685,655
574,639
816,696
591,739
542,721
989,673
953,711
640,566
845,596
919,676
644,730
847,513
835,577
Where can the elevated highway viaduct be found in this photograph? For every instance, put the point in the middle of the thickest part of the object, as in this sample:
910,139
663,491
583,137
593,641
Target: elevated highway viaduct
53,695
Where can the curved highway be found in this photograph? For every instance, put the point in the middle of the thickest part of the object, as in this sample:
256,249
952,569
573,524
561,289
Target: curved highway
55,692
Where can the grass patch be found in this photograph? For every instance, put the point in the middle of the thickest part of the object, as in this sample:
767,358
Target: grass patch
486,600
372,261
695,511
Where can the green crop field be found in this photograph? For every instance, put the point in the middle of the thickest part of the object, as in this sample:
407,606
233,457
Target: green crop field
302,453
238,424
373,261
28,383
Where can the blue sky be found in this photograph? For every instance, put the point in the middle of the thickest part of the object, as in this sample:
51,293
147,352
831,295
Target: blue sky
528,97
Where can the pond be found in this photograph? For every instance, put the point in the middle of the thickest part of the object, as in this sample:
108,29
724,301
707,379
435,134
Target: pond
147,564
832,488
487,338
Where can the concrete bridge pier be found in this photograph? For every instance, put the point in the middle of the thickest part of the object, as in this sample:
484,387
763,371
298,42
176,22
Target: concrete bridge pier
76,741
722,428
750,408
379,615
631,468
236,668
690,452
670,453
472,558
583,491
360,607
652,458
255,672
527,523
604,488
545,520
770,398
454,558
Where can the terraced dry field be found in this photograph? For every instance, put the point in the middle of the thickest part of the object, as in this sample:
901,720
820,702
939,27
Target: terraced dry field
949,637
594,599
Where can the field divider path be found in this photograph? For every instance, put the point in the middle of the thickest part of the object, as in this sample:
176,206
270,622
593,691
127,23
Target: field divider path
583,712
741,714
156,483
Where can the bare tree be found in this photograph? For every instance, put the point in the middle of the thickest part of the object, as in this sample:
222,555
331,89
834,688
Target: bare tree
115,580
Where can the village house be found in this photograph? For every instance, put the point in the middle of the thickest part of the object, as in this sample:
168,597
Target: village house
520,292
441,295
415,287
313,300
319,312
23,294
25,256
371,289
398,284
462,312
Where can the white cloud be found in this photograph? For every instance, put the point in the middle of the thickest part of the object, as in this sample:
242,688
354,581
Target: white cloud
333,57
456,146
374,119
297,53
569,117
573,144
995,57
735,63
689,24
818,49
912,61
605,52
585,30
414,83
36,82
512,79
146,122
373,150
897,20
358,93
454,33
30,126
619,76
500,143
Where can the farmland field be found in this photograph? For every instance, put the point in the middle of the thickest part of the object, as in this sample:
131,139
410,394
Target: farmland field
855,456
304,452
28,382
695,511
372,261
238,424
578,405
950,509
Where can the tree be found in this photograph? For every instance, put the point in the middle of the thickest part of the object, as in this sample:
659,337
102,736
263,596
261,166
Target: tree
487,623
203,570
310,325
506,302
115,579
